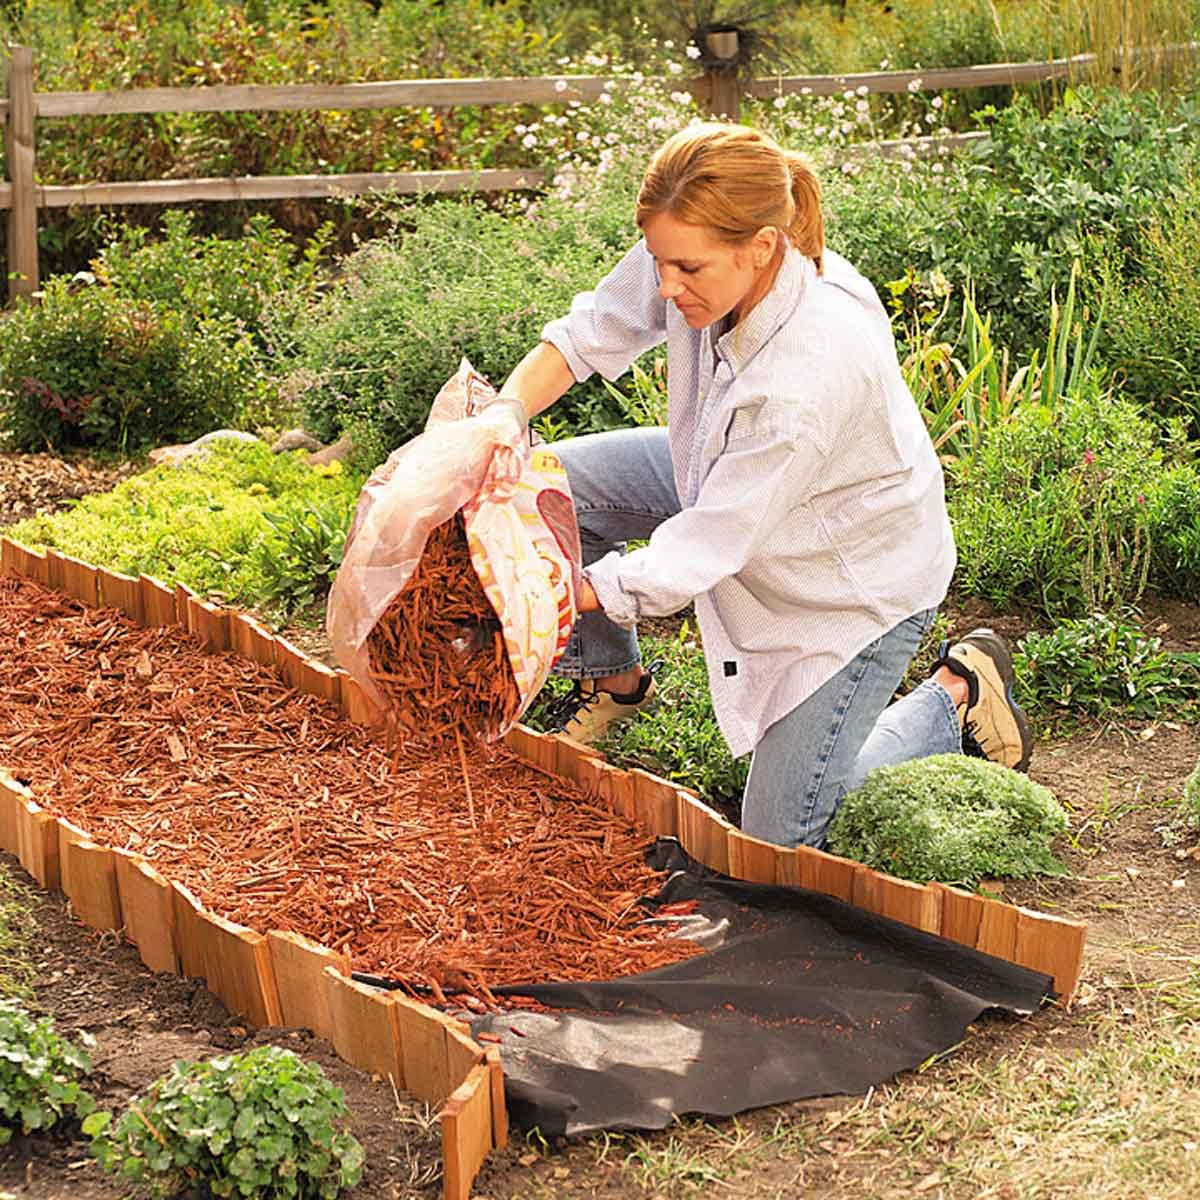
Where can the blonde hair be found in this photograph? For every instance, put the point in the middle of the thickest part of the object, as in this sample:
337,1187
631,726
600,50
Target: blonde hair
735,180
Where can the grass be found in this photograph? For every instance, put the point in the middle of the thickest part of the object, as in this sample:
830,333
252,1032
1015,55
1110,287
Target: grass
16,933
1106,1107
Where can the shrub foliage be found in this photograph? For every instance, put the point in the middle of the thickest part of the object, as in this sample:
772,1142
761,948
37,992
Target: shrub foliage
951,818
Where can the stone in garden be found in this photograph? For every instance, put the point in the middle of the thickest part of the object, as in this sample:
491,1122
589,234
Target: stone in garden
296,439
338,452
174,455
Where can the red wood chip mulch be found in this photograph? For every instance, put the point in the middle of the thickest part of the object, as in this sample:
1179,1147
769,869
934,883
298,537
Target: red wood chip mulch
280,814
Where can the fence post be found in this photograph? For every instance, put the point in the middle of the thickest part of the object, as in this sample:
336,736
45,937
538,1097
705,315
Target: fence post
19,143
725,94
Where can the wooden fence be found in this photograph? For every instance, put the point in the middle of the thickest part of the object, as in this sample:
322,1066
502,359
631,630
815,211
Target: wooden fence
720,91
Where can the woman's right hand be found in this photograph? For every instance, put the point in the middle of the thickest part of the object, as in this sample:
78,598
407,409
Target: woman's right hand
507,427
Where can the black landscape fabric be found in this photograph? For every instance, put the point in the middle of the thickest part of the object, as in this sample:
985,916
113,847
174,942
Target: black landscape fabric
797,995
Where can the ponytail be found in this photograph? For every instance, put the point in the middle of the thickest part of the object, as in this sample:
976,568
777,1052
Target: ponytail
807,228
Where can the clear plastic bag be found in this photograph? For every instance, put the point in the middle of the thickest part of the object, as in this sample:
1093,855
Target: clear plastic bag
523,538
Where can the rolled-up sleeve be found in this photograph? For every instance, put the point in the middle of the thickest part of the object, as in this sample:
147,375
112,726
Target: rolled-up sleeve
607,329
752,487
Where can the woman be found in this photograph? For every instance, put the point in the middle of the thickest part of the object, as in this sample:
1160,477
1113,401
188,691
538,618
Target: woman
794,496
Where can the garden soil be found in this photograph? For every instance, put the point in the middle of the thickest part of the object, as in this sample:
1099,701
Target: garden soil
1132,878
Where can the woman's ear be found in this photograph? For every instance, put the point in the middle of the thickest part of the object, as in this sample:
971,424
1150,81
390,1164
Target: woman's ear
763,246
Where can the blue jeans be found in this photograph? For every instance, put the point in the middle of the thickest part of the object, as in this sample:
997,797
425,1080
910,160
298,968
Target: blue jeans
809,759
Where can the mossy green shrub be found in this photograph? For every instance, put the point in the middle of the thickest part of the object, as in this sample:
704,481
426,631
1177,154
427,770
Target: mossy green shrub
950,818
88,367
40,1074
205,523
1105,664
1075,507
262,1124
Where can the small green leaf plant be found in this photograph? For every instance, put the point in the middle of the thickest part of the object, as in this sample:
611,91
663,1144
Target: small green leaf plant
1105,664
259,1125
40,1074
951,818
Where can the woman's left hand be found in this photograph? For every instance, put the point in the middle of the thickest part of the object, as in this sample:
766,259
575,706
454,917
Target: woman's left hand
586,601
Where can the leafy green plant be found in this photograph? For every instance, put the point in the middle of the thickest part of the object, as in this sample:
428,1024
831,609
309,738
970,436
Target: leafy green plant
1060,506
1104,664
302,554
86,367
202,523
260,1124
40,1074
644,398
951,818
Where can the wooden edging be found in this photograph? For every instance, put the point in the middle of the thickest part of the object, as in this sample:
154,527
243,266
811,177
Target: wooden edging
282,978
272,978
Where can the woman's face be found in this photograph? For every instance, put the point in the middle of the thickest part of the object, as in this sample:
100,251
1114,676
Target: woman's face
705,278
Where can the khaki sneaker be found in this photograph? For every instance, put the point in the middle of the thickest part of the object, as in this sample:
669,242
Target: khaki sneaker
994,727
586,712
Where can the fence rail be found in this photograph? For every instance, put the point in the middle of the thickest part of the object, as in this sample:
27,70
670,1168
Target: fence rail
720,91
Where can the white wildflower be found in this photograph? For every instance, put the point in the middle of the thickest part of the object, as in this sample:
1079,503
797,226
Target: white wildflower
862,106
863,90
674,68
780,102
936,102
914,85
806,91
605,98
560,85
668,44
681,97
693,52
529,141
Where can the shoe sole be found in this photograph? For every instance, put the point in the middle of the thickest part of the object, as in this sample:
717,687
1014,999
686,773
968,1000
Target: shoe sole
1003,711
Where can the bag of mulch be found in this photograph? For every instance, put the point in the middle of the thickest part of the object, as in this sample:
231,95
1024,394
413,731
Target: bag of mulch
456,592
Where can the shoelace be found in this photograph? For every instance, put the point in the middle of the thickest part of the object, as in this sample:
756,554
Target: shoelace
564,710
970,741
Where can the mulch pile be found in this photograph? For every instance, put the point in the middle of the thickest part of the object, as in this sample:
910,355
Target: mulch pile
43,483
280,814
437,653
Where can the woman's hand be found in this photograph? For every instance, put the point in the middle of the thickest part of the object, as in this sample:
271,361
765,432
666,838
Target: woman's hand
587,601
507,427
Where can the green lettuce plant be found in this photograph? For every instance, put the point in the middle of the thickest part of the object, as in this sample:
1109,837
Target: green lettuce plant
261,1124
40,1074
950,818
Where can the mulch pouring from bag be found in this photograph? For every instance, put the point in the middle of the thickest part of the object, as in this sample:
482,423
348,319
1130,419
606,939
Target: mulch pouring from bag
280,814
437,653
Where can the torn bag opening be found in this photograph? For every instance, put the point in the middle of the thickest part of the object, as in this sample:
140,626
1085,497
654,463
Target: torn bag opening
797,995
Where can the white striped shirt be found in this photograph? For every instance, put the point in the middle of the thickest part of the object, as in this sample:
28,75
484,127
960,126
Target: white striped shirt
813,514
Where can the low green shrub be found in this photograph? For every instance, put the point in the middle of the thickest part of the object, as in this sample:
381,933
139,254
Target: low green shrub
951,818
259,280
260,1124
460,280
40,1074
1016,211
302,554
204,523
1066,508
88,367
1103,664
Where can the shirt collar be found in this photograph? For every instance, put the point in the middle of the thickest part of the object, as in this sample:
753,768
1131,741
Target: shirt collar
748,336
